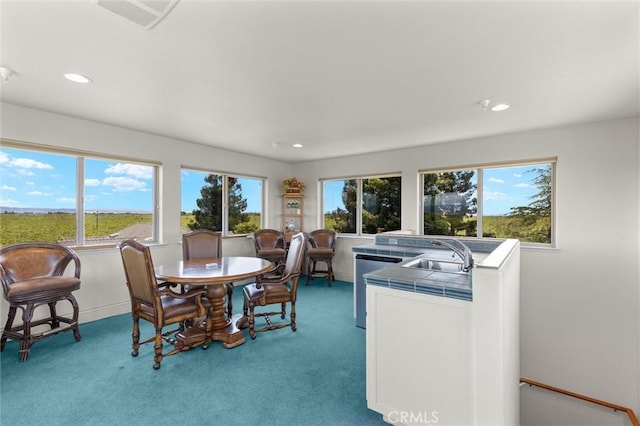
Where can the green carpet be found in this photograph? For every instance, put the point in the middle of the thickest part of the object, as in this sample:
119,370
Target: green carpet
315,376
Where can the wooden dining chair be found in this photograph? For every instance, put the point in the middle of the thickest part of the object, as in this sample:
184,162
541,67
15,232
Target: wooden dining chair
277,290
33,275
154,303
203,243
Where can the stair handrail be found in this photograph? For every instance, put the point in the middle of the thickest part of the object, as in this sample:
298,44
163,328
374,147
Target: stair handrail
630,414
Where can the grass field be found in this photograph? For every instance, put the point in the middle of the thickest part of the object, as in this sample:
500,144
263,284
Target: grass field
53,227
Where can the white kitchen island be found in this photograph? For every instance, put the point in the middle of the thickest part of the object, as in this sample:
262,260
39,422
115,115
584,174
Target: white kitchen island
446,357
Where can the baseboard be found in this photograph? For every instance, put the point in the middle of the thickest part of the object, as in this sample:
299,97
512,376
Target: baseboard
343,277
104,312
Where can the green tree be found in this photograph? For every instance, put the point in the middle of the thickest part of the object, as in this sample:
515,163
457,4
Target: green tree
208,215
533,221
449,202
541,204
343,220
381,203
340,221
237,205
381,199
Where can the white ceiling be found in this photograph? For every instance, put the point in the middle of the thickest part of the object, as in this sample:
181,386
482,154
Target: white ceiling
342,77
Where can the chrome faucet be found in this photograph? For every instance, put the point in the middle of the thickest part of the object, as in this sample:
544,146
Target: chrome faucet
464,253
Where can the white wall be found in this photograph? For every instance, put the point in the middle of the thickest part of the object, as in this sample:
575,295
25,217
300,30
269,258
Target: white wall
580,316
580,301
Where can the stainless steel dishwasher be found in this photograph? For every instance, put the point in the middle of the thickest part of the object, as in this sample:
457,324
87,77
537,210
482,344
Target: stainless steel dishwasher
366,263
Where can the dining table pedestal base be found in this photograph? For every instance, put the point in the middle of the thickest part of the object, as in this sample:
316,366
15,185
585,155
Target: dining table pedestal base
230,336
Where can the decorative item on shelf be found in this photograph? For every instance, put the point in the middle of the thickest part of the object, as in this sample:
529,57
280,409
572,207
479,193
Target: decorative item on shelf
291,226
293,185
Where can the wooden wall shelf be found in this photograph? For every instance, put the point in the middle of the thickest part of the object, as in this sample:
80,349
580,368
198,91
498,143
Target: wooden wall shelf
292,213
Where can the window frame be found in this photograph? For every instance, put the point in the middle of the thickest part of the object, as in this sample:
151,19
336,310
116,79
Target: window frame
359,199
480,168
80,157
225,195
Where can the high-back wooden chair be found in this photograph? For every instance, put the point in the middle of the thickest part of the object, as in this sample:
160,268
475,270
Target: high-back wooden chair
32,275
322,247
280,290
156,304
203,243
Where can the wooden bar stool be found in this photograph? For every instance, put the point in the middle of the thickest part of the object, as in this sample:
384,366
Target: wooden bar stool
322,248
33,275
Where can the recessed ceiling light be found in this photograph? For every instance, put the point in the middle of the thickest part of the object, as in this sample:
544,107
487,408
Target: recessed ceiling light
499,107
297,145
6,73
77,78
486,106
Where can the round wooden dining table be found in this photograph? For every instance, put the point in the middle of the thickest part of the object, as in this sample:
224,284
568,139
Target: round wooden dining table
214,274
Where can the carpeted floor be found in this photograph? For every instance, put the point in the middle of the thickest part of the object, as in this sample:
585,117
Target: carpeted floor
315,376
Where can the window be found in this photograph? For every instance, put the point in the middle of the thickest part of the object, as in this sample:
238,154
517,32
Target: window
362,205
39,198
450,203
518,201
202,205
501,201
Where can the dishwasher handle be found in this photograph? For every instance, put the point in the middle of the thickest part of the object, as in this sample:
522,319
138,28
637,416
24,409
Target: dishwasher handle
374,258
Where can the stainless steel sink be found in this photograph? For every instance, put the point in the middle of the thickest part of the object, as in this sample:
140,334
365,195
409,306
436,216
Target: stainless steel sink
435,265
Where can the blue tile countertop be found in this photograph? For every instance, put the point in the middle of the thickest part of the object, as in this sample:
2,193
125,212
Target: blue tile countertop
436,283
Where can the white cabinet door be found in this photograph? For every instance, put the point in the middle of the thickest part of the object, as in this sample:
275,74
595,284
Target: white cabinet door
418,358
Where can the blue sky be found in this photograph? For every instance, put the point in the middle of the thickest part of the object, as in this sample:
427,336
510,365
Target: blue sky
42,180
332,192
508,187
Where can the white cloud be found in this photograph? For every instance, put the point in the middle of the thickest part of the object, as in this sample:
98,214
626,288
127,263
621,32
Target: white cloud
518,175
66,200
30,183
28,163
92,182
522,185
8,188
24,172
8,202
124,184
134,170
4,158
495,180
39,193
489,195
